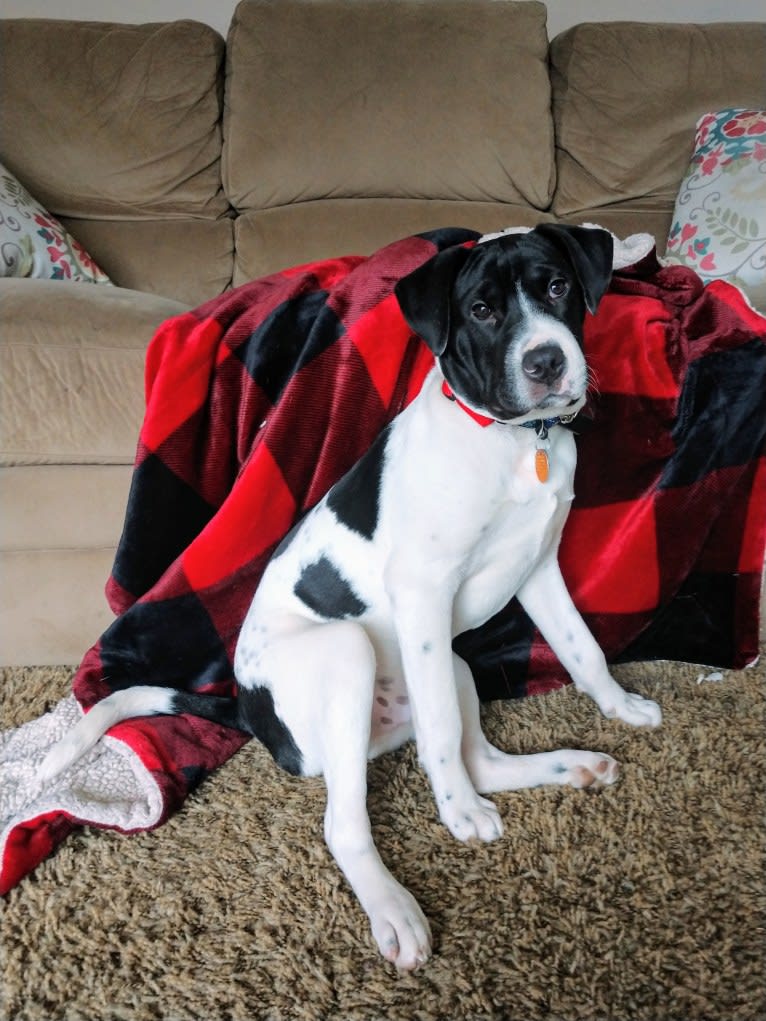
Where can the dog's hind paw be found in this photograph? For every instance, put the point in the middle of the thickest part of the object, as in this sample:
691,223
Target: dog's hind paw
400,929
593,769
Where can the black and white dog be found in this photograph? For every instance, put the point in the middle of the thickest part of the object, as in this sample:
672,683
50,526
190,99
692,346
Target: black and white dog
346,651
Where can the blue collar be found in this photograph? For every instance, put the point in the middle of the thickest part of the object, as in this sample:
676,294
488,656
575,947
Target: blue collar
542,425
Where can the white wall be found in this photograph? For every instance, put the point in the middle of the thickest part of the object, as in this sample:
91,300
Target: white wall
561,13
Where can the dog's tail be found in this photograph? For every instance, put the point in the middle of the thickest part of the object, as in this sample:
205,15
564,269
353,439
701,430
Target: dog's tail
131,703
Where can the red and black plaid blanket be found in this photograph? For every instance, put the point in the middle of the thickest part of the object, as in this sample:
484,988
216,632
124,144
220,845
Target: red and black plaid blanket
259,400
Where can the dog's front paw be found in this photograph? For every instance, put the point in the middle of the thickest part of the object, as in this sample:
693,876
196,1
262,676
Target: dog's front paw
400,928
471,818
635,710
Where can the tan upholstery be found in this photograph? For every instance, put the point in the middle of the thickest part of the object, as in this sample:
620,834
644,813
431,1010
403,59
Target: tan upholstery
72,365
320,128
189,260
626,97
119,128
52,605
125,122
380,99
60,525
271,239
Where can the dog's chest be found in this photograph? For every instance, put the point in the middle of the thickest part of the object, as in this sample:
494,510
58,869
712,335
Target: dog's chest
482,519
509,546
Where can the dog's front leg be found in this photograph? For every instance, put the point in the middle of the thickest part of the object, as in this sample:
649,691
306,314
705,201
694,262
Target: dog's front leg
546,599
423,619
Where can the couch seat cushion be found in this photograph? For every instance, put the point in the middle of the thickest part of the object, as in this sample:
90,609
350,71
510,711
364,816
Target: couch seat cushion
189,260
71,364
268,240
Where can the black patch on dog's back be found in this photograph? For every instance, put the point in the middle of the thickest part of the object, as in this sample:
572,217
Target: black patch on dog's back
355,499
324,590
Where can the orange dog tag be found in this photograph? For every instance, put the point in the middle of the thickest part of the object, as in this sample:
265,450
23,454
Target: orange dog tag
542,464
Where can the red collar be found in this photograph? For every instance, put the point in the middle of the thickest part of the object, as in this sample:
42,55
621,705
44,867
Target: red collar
482,420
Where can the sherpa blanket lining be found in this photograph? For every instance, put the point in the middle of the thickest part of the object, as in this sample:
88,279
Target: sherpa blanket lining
262,398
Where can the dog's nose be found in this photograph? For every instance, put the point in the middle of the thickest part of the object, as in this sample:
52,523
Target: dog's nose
544,364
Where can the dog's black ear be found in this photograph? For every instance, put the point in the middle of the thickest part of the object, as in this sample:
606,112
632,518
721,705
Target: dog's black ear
590,250
424,296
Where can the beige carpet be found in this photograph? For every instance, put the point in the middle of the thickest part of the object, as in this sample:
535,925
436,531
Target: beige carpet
645,901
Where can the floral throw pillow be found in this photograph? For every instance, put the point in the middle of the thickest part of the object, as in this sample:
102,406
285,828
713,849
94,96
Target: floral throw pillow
34,244
719,223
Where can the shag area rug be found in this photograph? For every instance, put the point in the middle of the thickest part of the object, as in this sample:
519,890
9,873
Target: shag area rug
643,901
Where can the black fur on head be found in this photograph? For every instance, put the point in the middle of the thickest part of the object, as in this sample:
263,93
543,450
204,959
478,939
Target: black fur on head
591,252
425,295
485,311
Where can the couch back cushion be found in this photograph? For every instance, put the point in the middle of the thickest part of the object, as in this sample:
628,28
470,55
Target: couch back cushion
115,126
113,121
626,98
402,99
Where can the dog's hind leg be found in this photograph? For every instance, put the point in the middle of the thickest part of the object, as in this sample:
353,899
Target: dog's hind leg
492,770
398,925
327,677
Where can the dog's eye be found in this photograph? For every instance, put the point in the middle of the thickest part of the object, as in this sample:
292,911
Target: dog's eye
481,311
557,288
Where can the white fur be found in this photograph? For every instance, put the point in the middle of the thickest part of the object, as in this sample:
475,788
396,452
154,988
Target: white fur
122,705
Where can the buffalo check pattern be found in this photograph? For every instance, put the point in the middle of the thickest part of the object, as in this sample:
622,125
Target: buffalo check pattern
262,398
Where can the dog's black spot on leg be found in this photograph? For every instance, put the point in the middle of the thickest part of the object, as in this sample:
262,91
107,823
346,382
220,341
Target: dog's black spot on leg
324,590
427,647
355,499
252,712
259,718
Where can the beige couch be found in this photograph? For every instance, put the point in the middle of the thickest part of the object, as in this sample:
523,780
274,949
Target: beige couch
186,164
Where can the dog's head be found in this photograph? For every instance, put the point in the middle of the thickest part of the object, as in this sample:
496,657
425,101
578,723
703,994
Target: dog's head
505,318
